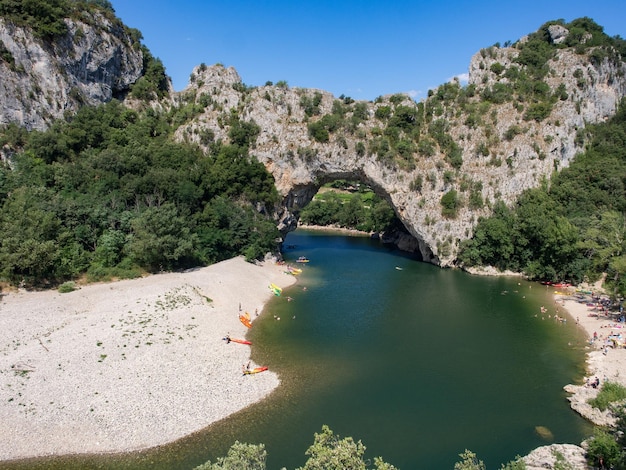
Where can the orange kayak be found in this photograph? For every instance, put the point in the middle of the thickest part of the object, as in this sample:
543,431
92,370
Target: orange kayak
256,370
245,321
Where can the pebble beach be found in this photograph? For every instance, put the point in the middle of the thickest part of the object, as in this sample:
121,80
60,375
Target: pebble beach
606,360
604,363
126,365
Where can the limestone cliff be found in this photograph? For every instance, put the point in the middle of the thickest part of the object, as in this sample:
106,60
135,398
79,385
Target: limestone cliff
42,79
476,144
441,163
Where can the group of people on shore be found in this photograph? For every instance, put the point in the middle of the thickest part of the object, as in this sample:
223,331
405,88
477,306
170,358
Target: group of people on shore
595,383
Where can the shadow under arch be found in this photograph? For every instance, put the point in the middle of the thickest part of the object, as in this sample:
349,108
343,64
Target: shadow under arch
300,195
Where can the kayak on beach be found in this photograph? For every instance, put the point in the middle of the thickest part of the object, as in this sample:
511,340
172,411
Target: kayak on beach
228,339
245,320
275,289
256,370
293,271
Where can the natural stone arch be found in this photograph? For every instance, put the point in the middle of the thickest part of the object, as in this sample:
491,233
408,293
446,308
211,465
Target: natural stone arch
300,195
301,162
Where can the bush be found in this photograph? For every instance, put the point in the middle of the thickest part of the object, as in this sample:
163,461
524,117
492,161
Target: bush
450,204
66,287
610,392
512,131
497,68
538,111
318,132
603,450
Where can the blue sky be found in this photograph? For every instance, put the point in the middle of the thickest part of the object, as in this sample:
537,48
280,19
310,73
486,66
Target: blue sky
358,48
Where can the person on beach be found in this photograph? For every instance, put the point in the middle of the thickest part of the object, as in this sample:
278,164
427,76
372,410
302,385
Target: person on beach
227,338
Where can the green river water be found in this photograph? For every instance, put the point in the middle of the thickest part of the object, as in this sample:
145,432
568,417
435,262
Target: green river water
417,362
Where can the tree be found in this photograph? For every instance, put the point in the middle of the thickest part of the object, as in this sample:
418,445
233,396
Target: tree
226,229
243,133
240,457
110,247
162,239
469,462
29,231
330,452
604,240
604,448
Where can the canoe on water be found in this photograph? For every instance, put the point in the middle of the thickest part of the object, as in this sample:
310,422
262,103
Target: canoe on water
245,321
256,370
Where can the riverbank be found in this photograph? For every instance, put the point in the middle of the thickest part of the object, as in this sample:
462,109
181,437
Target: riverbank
131,364
605,361
349,232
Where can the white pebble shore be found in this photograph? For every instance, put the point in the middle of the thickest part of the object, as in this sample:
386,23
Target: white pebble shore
128,365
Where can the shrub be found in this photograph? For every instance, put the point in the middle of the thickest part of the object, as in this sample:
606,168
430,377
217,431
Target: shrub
66,287
610,392
426,148
512,131
476,199
603,446
383,112
538,111
318,132
417,183
450,204
311,104
455,156
497,68
360,149
499,93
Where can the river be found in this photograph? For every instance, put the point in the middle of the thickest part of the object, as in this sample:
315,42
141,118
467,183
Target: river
417,362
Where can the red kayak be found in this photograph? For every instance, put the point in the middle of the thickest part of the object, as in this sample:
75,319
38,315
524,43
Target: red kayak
228,339
256,370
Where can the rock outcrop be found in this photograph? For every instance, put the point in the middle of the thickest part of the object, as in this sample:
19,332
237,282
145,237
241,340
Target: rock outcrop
579,401
503,150
41,80
557,456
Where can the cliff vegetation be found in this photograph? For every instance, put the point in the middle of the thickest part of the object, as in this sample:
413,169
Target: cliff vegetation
571,228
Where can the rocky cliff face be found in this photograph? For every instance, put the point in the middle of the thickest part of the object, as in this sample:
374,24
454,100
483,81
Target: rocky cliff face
441,163
503,150
41,80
